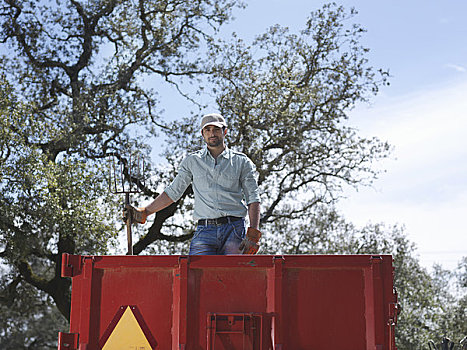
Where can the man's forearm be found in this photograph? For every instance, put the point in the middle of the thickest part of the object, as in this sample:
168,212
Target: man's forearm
254,214
139,215
162,201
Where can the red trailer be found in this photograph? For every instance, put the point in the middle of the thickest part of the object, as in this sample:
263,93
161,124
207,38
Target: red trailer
259,302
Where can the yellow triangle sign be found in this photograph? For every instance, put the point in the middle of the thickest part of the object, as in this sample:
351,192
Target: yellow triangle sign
127,334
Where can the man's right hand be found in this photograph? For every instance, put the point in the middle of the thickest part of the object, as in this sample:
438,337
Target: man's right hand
250,244
137,215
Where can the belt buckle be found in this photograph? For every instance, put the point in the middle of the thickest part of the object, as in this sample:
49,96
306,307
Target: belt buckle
208,222
216,221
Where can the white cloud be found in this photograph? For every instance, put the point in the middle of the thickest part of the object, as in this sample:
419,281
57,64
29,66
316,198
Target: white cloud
426,187
456,67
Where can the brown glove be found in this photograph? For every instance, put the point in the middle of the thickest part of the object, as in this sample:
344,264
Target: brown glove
250,244
135,214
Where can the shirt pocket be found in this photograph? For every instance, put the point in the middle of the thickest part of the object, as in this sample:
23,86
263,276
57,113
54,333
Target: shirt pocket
203,181
229,182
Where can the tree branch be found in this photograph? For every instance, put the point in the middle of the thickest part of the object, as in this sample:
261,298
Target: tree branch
33,279
155,233
9,293
18,33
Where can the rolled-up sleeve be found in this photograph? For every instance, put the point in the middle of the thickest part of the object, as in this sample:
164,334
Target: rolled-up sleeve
181,182
249,183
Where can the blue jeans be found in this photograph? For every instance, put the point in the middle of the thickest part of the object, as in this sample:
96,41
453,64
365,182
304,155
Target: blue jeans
218,239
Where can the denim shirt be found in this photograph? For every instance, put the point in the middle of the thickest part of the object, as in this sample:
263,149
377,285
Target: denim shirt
222,187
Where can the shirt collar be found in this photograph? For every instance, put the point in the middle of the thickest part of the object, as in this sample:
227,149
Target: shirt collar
225,153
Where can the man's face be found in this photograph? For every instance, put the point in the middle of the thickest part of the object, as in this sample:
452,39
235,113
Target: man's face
213,135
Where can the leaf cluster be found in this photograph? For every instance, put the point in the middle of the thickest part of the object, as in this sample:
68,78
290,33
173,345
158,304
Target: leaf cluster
77,88
286,99
432,305
73,93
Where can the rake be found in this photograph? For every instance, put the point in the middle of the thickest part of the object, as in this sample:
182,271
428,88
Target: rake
125,175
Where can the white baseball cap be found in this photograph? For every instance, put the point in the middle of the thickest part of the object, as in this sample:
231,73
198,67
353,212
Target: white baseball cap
213,119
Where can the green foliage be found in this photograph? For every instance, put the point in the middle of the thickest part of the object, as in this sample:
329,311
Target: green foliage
431,305
80,72
30,319
72,94
286,98
46,208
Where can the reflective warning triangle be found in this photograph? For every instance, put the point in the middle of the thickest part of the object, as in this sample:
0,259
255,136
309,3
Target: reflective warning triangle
127,332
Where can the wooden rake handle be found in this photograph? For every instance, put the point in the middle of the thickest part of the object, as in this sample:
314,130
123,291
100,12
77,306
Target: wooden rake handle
128,227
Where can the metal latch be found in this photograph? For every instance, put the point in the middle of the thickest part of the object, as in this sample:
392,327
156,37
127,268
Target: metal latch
243,331
71,265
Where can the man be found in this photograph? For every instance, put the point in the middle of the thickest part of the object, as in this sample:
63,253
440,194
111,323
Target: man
225,191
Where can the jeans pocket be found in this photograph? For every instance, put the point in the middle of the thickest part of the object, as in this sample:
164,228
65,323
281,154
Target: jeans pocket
239,229
199,229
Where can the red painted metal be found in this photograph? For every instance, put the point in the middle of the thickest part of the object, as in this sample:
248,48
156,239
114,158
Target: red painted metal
243,331
67,341
262,302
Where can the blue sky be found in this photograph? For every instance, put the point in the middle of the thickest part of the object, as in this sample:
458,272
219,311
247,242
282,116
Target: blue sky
420,42
423,114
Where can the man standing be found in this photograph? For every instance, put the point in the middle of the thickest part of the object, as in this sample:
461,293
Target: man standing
225,190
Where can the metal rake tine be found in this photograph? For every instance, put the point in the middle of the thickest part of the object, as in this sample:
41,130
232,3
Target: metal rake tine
129,173
115,177
110,174
130,176
122,169
142,174
140,169
115,174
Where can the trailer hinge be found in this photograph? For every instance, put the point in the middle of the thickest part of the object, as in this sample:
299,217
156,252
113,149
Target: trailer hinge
394,310
71,265
392,321
68,341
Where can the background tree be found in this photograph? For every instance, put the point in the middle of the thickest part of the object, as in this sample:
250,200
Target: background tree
432,305
78,69
81,70
53,207
286,98
451,301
